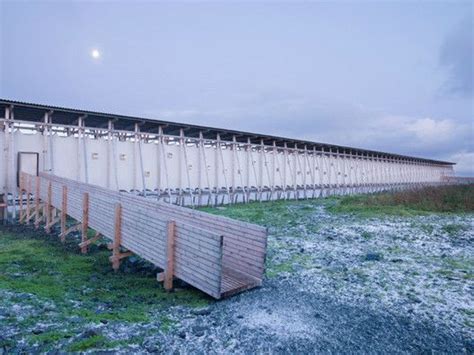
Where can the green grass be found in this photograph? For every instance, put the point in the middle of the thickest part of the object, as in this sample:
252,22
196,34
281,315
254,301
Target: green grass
166,324
88,343
366,235
452,199
50,337
57,272
454,228
35,263
275,270
275,213
301,260
457,267
427,228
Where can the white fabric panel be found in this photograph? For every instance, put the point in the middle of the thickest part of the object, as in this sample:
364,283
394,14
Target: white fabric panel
173,166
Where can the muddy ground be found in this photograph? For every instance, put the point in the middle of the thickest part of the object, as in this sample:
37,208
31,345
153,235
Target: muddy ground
334,283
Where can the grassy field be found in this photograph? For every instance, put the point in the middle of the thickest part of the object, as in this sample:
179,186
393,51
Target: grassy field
444,199
454,199
67,285
371,249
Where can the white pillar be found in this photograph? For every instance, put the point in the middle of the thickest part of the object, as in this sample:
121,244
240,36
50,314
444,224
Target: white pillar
109,153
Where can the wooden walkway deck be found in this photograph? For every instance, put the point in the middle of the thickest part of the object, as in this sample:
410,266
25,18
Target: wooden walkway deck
234,282
217,255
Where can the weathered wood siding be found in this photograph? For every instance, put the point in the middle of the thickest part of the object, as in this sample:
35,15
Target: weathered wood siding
205,244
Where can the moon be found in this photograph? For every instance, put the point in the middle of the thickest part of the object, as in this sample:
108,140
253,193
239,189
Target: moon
95,54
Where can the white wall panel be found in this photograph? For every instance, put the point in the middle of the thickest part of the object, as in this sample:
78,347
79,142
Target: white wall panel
258,171
3,175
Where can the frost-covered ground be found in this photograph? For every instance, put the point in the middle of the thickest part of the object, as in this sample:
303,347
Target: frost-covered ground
343,283
335,283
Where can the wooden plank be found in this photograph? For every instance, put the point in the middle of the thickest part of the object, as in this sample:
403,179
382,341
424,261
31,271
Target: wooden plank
186,280
28,199
232,285
85,222
170,247
33,213
37,202
52,223
141,226
49,210
139,221
75,228
224,222
120,256
117,236
20,200
91,240
63,214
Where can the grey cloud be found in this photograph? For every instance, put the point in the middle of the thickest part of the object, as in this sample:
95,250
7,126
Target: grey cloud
457,57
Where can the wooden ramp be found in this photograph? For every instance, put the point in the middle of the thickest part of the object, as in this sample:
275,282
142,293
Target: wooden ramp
234,282
215,254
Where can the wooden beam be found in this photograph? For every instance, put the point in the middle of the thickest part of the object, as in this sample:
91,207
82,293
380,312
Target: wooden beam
117,237
120,256
63,214
21,198
91,240
85,221
52,223
169,271
199,231
33,213
37,202
49,209
28,198
75,228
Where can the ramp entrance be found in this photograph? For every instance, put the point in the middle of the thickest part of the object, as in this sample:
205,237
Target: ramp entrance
215,254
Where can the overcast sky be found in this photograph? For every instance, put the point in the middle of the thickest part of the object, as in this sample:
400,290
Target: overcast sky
392,76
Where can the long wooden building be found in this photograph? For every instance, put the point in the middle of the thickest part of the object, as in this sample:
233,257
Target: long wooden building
189,164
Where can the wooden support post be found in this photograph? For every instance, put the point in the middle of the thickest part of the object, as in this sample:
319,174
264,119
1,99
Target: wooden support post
75,228
3,210
169,271
28,197
95,238
116,254
63,215
85,221
21,198
49,209
37,202
49,225
117,237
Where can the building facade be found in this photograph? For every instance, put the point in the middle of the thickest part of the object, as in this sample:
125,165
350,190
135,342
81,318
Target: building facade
188,164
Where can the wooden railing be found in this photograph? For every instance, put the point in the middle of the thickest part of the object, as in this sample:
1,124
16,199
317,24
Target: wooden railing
217,255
